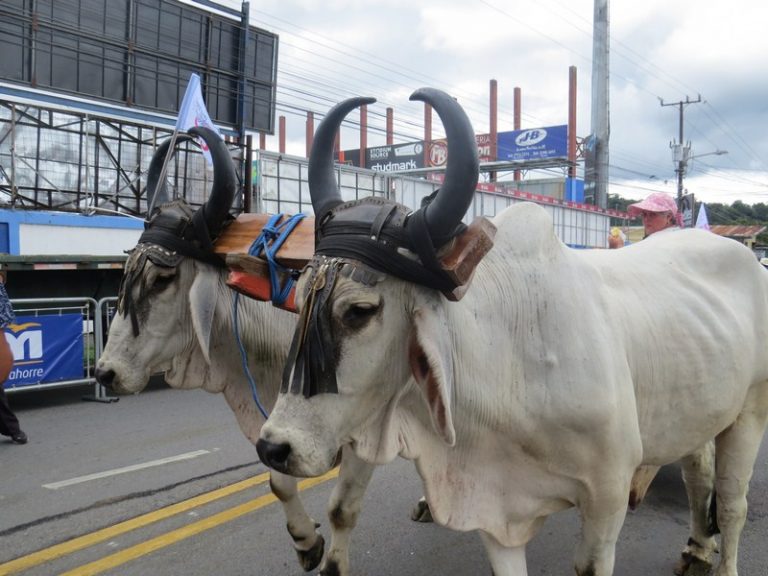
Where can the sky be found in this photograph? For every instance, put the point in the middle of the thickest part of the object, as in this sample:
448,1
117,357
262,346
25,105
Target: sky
660,51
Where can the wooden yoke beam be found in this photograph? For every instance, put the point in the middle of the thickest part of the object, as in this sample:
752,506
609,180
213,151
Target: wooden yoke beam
250,274
235,242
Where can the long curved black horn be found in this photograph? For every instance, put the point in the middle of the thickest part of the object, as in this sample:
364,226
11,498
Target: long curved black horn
445,212
153,174
224,186
322,183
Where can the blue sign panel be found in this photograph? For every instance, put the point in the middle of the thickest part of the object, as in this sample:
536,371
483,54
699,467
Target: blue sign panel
45,349
533,144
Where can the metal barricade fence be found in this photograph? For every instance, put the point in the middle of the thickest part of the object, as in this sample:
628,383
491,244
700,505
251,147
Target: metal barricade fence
92,335
105,310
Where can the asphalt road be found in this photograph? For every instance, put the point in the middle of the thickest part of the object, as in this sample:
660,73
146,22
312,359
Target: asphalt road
90,494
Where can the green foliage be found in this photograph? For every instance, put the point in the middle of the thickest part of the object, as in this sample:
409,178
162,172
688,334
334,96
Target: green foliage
739,213
616,202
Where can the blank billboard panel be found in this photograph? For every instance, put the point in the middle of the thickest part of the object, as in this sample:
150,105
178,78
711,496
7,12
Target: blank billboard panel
141,53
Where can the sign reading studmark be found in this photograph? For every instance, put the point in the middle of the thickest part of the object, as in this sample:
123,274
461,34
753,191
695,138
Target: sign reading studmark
390,158
45,349
534,143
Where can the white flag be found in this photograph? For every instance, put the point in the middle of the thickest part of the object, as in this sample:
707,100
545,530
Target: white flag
194,113
701,219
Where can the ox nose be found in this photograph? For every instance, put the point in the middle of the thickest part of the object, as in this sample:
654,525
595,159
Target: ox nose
104,377
272,454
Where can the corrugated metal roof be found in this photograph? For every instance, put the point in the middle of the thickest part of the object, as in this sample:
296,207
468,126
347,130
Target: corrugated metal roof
737,231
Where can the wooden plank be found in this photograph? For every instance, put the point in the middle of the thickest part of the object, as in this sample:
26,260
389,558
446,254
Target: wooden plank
297,250
467,251
459,261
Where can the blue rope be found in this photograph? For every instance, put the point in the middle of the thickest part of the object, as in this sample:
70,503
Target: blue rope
269,241
244,360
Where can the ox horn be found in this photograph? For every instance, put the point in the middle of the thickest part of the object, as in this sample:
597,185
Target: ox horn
156,197
446,210
323,189
224,186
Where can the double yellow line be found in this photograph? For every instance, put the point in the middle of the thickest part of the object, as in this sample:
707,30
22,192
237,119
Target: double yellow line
133,552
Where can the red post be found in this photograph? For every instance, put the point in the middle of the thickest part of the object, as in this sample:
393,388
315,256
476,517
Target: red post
427,131
390,129
494,105
517,107
363,128
310,131
572,121
337,146
262,141
281,135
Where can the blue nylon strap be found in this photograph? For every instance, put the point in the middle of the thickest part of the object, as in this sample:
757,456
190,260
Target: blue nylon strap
272,237
244,358
269,242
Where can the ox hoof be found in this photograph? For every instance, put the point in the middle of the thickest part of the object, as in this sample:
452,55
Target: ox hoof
690,565
310,559
330,569
421,512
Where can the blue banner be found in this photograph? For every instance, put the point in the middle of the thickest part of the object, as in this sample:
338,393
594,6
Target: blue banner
45,349
533,144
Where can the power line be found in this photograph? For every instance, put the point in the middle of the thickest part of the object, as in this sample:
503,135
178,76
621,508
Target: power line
298,83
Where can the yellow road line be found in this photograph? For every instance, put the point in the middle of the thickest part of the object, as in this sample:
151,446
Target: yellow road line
48,554
119,558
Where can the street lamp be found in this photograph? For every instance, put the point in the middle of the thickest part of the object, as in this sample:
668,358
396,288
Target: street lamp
715,153
681,157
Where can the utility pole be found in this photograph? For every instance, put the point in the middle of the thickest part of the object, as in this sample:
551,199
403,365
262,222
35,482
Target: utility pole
681,151
596,159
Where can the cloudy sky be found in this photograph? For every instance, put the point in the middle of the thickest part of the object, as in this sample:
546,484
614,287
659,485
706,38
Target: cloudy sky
659,49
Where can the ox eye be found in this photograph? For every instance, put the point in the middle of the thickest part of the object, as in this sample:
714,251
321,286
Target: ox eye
358,315
161,283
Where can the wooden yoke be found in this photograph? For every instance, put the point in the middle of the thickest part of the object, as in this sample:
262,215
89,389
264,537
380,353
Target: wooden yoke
249,275
235,242
465,253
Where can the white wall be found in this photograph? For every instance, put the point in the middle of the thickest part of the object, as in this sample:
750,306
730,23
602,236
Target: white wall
42,239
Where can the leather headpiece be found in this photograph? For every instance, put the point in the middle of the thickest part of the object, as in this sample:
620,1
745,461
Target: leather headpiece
381,234
174,228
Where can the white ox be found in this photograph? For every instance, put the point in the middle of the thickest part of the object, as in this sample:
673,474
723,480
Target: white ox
547,386
184,327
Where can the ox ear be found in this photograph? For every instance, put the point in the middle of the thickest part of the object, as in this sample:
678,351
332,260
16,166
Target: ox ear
429,355
202,301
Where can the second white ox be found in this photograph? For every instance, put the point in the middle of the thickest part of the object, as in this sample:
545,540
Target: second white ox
176,315
557,375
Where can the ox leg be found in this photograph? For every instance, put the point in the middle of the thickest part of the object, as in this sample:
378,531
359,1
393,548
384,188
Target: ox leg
505,561
343,510
737,448
421,512
602,517
307,541
699,477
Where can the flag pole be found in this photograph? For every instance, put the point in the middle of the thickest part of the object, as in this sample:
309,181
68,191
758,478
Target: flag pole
163,171
192,112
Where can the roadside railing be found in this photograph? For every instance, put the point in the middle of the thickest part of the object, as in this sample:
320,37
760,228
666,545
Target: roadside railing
56,343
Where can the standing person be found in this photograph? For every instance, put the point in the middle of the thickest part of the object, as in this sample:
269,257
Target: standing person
9,424
658,211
